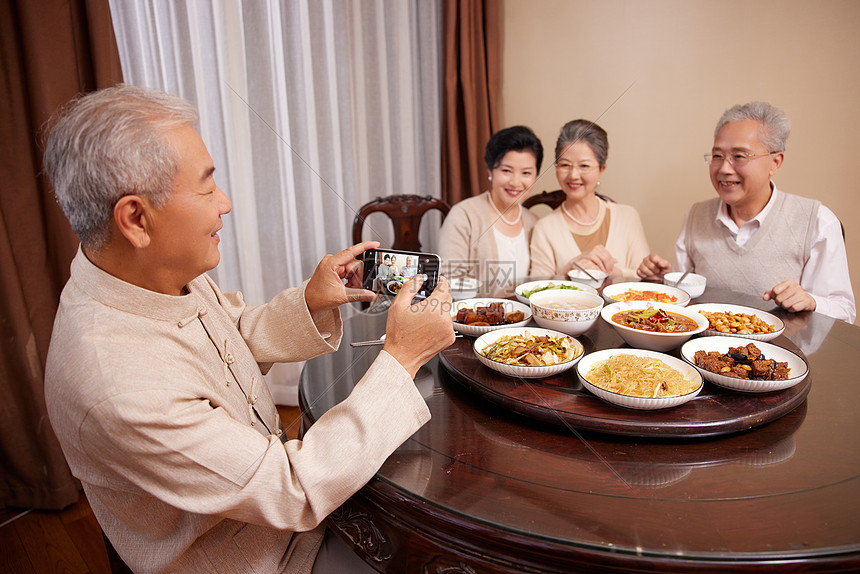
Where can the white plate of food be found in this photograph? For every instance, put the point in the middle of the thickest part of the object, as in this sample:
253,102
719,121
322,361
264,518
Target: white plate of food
526,290
394,285
528,352
654,326
639,379
644,291
776,362
477,316
739,321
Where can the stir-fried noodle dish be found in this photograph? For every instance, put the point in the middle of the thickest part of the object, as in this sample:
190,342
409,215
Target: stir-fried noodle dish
644,377
529,350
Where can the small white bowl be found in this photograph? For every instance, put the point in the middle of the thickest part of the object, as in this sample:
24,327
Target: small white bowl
642,403
524,372
798,369
773,320
570,321
580,277
692,284
464,287
682,298
478,330
648,339
523,288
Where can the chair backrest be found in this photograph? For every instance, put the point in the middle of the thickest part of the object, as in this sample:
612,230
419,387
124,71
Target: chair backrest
405,212
550,198
554,198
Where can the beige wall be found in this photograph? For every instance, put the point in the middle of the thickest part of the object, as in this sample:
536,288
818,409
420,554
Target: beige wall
657,74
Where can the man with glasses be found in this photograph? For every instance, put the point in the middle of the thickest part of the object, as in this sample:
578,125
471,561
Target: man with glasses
755,238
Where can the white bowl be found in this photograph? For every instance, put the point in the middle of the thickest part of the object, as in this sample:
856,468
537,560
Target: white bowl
692,284
549,284
488,339
641,403
798,368
478,330
580,277
776,322
648,339
464,287
572,322
682,298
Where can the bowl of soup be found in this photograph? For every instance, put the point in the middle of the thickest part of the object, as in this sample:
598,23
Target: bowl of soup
571,312
653,326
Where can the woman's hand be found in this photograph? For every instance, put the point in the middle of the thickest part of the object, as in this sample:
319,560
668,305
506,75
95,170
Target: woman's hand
326,289
653,268
415,333
596,258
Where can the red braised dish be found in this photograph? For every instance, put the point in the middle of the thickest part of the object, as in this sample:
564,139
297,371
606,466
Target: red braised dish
743,363
655,321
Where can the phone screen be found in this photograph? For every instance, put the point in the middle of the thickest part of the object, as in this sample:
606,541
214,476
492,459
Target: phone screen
385,270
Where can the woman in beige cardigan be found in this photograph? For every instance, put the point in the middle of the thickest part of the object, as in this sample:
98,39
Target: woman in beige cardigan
587,229
487,236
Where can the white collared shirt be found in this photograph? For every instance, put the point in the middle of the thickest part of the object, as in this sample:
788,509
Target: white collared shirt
825,275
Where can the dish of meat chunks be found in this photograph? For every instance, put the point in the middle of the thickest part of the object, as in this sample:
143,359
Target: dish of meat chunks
740,364
475,317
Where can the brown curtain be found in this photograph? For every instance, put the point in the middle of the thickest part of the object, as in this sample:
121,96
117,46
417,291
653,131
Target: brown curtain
470,34
51,51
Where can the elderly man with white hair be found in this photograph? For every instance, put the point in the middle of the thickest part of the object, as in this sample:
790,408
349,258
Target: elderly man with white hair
755,238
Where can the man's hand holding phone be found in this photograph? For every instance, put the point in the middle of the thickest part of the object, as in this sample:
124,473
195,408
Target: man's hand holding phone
415,333
338,280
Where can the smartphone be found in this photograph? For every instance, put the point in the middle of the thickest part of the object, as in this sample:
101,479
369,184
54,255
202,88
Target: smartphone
385,270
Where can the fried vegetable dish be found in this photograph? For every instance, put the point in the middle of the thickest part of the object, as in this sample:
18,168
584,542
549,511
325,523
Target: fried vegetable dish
742,363
529,350
644,377
492,314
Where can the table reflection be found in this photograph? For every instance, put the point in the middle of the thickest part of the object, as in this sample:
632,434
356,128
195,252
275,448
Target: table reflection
483,487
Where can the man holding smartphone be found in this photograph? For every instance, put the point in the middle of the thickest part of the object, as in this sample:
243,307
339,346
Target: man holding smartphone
154,379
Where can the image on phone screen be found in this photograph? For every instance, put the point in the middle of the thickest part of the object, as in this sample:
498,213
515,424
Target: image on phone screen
386,270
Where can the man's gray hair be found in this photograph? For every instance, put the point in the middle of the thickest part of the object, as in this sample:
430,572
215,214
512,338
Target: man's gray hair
775,125
108,144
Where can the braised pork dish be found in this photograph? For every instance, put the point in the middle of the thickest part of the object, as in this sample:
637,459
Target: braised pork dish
742,363
492,314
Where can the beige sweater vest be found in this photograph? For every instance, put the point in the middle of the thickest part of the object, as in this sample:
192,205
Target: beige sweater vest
776,252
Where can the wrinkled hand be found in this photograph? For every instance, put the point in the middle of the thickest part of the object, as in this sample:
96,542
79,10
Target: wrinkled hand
791,296
415,333
597,258
326,289
653,267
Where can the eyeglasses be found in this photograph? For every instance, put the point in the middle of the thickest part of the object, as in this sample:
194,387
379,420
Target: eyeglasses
583,167
737,158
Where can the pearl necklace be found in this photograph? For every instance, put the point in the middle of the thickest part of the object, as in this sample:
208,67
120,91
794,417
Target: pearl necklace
582,223
502,217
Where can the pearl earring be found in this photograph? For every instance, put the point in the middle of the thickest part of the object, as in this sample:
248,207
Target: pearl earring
490,177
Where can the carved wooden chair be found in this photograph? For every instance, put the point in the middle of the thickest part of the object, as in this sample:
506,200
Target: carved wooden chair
553,199
405,212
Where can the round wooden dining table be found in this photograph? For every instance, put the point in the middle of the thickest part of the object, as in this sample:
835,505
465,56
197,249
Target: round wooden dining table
496,482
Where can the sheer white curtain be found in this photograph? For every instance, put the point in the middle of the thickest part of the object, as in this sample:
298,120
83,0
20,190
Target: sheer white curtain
310,108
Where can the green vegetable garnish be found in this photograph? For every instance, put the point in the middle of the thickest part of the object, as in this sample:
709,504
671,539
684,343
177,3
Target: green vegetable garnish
531,292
